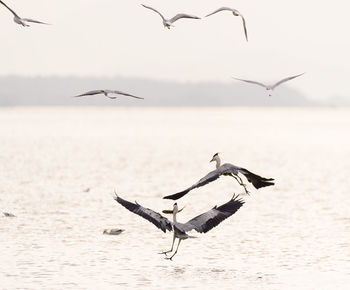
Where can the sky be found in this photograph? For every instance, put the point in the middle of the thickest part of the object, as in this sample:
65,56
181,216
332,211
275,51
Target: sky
106,38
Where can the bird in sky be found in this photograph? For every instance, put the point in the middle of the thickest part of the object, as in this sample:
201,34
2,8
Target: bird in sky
270,88
235,13
169,22
20,20
107,94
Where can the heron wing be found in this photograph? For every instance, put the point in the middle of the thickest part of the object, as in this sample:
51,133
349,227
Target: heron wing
148,7
155,218
286,80
182,15
251,82
34,21
255,179
210,219
13,12
211,176
90,93
221,9
125,94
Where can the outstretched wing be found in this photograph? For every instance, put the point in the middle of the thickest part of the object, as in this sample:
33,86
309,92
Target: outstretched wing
255,179
90,93
155,218
211,176
182,15
245,27
285,80
34,21
221,9
210,219
13,12
148,7
251,82
125,94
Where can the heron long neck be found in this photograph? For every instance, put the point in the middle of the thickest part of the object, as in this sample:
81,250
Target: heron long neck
174,216
218,162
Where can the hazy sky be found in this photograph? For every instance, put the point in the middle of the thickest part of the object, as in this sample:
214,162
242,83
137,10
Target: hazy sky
121,38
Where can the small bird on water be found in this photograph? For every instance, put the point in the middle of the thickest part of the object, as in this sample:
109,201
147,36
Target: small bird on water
113,232
7,214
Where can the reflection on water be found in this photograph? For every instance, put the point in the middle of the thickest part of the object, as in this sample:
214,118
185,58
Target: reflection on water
292,235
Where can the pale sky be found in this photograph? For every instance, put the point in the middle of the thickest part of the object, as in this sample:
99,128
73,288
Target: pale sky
121,38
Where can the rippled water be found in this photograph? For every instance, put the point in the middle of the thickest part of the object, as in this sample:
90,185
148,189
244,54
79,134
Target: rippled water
295,235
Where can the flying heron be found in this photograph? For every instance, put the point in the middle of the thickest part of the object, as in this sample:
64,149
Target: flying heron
20,20
270,88
226,169
169,22
235,13
106,93
202,223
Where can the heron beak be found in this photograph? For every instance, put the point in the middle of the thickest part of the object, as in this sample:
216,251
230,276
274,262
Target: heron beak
211,160
181,209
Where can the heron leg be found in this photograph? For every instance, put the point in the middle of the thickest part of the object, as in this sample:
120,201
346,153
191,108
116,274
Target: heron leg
170,258
240,181
172,246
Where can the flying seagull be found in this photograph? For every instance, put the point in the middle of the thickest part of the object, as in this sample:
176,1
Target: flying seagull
20,20
270,88
113,232
229,170
106,93
202,223
8,214
235,13
169,22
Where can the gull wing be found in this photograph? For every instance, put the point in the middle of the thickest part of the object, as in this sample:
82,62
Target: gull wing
251,82
182,15
255,179
148,7
34,21
286,80
124,94
210,219
90,93
155,218
13,12
221,9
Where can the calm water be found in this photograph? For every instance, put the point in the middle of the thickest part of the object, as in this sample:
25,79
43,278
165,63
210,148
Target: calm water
295,235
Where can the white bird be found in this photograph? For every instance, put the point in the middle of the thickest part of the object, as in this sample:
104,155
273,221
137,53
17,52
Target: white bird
113,232
169,22
235,13
270,88
226,169
20,20
202,223
106,93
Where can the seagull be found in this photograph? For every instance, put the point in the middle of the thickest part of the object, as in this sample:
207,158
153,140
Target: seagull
226,169
169,22
235,13
113,232
22,21
7,214
202,223
270,87
106,93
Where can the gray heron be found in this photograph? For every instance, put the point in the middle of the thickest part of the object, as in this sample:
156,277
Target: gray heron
106,93
20,20
169,22
229,170
235,13
269,88
201,223
113,232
